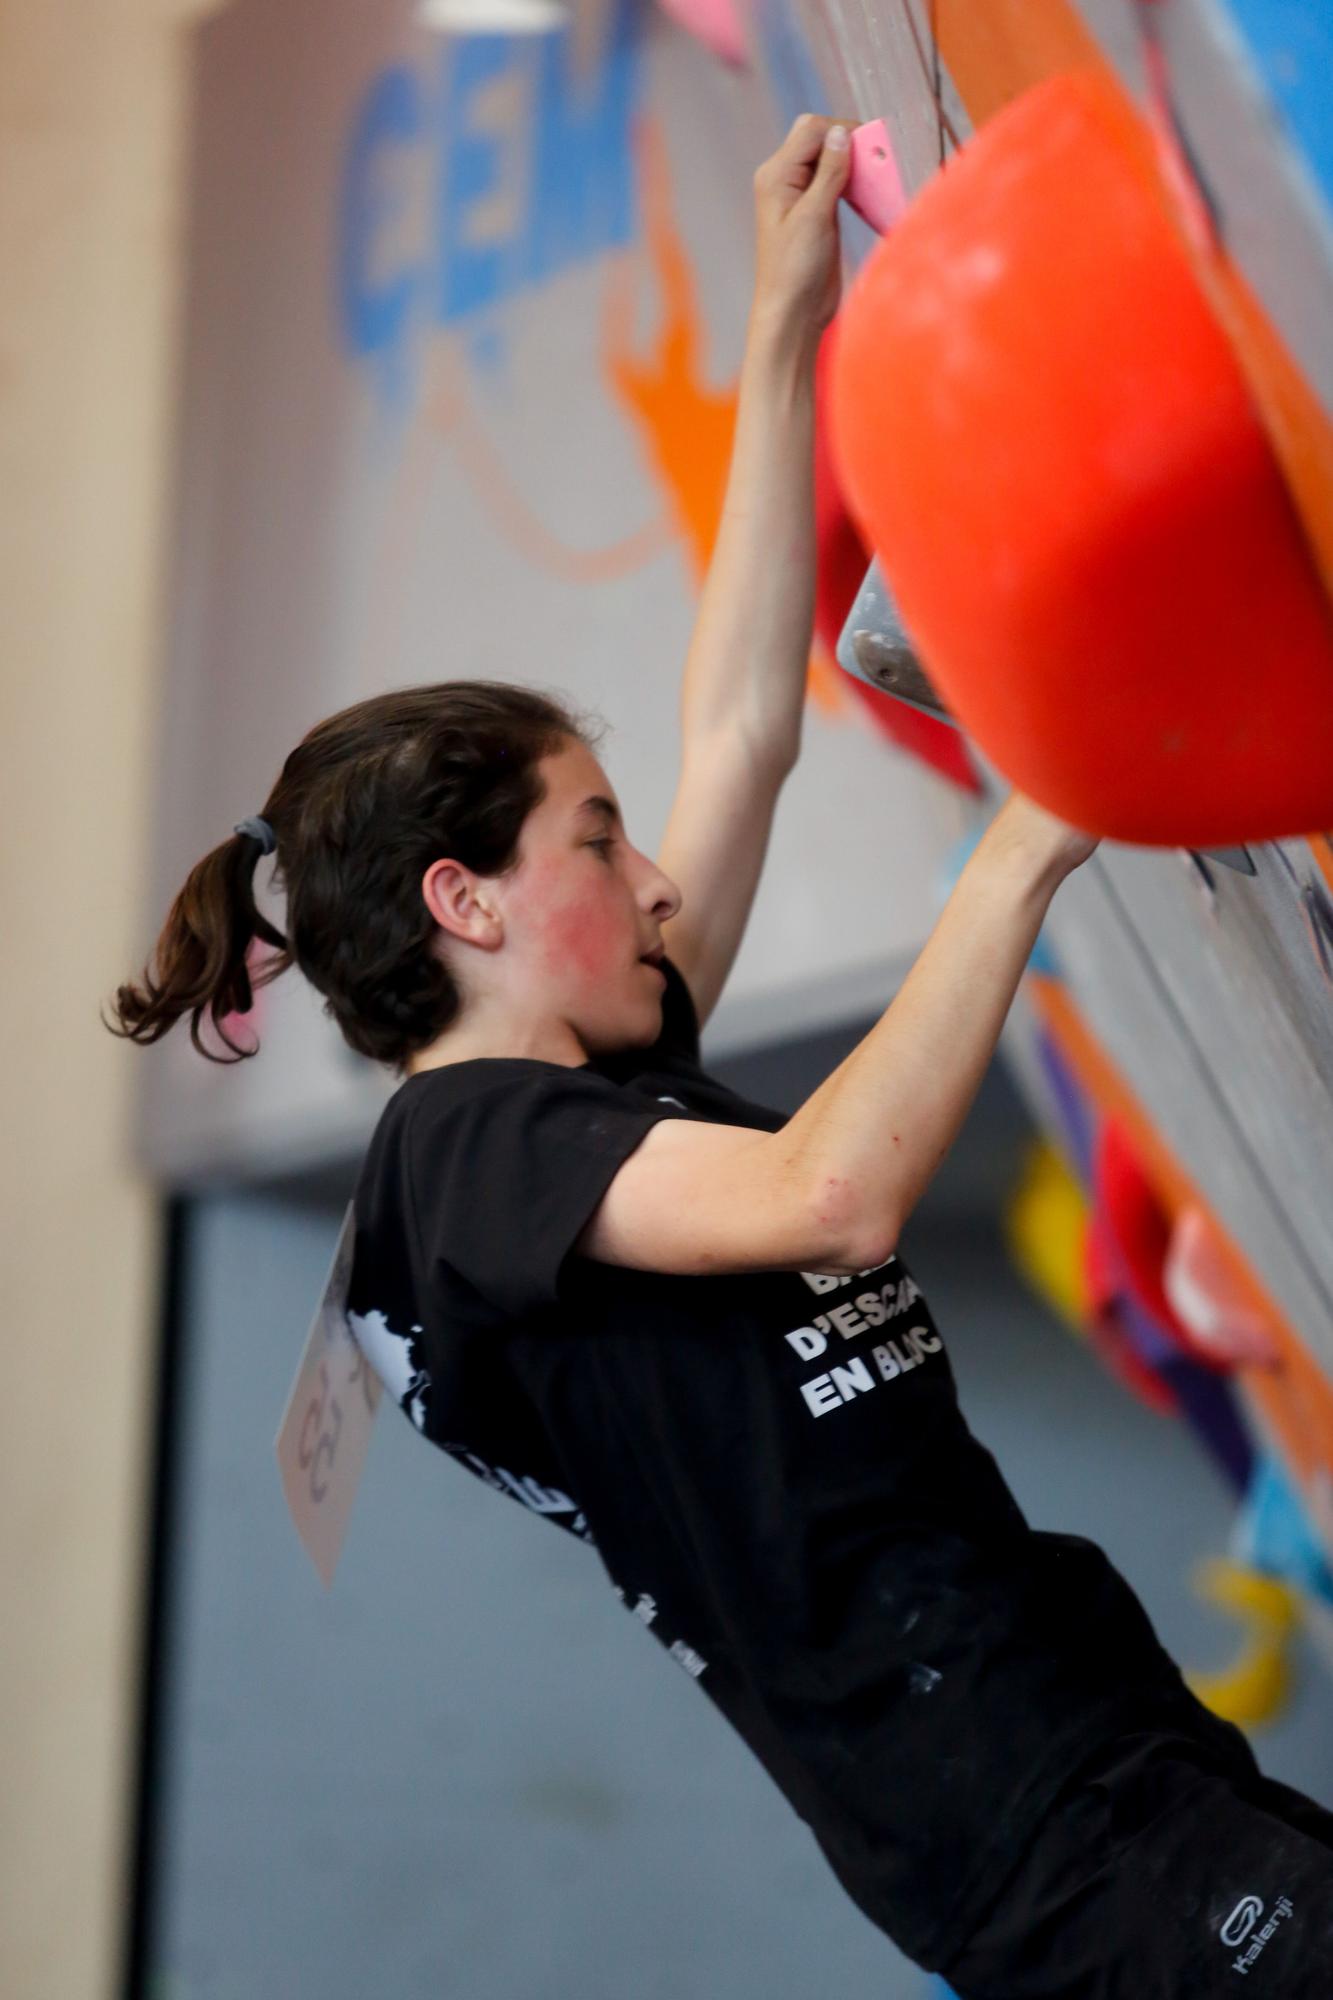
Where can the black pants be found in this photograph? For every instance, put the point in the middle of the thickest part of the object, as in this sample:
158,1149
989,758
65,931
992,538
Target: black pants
1169,1868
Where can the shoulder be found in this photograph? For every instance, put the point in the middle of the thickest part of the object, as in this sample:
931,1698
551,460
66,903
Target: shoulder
492,1167
482,1106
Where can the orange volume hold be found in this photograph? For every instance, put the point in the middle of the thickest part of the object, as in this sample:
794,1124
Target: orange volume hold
1045,437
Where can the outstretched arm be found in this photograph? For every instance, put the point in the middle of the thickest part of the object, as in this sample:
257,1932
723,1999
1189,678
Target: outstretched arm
745,673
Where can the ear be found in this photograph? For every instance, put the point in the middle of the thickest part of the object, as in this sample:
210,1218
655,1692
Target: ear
462,904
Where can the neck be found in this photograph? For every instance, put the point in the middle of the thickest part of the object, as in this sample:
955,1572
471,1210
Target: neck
551,1042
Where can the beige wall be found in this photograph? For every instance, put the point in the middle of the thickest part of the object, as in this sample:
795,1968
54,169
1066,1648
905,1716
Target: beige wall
92,103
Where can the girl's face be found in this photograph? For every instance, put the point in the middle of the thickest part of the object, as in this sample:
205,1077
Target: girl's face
581,910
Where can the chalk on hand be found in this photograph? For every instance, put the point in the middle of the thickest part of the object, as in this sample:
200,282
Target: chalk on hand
874,186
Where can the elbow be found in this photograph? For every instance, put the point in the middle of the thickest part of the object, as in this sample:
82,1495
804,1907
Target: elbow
852,1241
871,1247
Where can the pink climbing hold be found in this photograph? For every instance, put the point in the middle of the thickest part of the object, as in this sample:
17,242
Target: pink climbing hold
715,23
1222,1328
875,186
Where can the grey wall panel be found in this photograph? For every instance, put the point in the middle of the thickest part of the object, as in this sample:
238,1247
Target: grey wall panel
1240,973
1132,1000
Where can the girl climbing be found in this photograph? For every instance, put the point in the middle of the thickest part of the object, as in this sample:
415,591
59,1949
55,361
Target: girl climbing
679,1324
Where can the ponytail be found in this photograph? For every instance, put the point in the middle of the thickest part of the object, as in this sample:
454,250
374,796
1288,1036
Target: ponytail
363,805
202,958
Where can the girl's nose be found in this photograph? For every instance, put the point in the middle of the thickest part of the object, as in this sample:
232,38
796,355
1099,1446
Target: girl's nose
662,896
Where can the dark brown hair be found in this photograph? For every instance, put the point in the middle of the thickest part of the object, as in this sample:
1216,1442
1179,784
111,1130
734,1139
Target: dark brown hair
363,805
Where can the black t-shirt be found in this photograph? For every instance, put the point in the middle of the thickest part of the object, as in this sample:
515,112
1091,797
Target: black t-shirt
773,1469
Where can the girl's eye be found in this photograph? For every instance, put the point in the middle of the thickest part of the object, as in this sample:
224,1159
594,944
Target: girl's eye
601,844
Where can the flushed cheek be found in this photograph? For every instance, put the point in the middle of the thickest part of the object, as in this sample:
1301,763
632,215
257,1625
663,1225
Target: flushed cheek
581,936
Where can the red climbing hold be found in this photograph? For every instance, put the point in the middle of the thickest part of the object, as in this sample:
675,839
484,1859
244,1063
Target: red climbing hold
1045,437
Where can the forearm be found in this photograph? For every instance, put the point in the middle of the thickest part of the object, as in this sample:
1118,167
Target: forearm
870,1139
748,659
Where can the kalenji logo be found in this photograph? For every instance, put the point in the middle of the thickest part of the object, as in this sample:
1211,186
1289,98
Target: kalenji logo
1241,1921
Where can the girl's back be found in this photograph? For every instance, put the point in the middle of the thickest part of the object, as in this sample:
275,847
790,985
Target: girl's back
771,1466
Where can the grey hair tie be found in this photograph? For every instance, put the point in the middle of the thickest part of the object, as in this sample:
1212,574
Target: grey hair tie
260,830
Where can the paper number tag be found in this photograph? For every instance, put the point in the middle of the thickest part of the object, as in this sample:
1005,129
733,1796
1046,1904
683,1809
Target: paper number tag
325,1430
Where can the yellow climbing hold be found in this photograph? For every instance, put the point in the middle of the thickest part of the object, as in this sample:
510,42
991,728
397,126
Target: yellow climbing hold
1256,1687
1045,1219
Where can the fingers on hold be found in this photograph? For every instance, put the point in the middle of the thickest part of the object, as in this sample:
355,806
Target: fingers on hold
835,160
806,146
